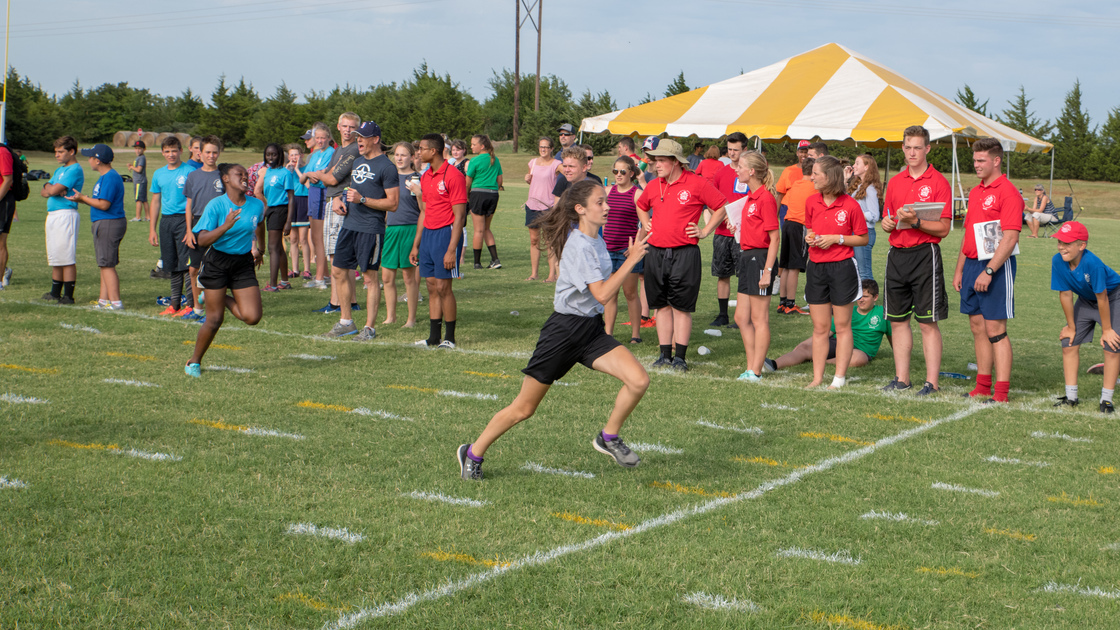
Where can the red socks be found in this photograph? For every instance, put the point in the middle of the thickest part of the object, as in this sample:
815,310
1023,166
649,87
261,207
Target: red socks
1002,388
983,386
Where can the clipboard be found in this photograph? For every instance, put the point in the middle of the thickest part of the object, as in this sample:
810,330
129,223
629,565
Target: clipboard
926,211
988,235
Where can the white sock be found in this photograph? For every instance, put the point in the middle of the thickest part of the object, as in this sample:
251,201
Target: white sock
1106,395
346,322
1071,392
839,381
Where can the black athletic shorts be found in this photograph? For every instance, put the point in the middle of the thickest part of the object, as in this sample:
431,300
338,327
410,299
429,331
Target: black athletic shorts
172,249
276,217
566,340
483,202
725,256
752,264
358,250
299,212
915,284
673,277
835,283
220,270
795,251
7,213
194,254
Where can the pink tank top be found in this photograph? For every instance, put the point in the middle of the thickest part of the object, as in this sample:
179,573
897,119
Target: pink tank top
540,189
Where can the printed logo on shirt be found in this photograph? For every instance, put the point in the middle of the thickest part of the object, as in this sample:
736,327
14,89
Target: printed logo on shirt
683,196
874,321
361,174
751,209
273,180
989,201
924,192
841,217
182,181
442,187
1087,280
219,187
96,189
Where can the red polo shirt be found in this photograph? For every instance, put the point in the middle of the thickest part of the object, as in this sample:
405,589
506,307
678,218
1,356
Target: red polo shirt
843,216
726,181
902,189
674,206
760,217
1000,201
440,190
789,175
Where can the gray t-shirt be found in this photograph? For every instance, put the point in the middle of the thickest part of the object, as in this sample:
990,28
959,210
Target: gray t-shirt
203,187
370,178
585,260
140,176
408,208
339,166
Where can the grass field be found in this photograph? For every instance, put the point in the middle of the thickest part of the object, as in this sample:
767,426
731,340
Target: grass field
313,484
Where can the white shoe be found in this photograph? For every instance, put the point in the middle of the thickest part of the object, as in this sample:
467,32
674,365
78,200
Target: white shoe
446,345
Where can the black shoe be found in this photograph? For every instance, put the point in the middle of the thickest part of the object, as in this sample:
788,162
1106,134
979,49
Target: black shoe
50,297
662,362
160,274
478,266
896,386
65,300
733,326
1106,407
621,453
993,401
927,389
720,320
468,468
769,365
1063,401
679,364
495,264
354,306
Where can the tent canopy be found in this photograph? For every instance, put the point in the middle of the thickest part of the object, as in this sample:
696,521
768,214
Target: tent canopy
830,93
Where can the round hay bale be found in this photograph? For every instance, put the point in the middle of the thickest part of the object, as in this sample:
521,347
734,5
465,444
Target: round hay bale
149,139
185,140
120,139
161,137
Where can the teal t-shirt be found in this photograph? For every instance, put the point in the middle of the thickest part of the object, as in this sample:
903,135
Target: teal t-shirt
868,330
239,238
319,161
73,178
277,183
483,175
301,189
170,185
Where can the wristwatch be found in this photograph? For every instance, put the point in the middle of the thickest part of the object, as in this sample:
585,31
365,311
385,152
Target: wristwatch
841,239
918,224
362,201
989,270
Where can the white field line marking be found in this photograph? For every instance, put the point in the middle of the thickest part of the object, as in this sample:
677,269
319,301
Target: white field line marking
157,457
937,485
782,407
839,557
1059,436
539,558
11,483
225,368
1113,547
121,381
751,430
16,399
642,447
308,529
719,602
270,433
564,384
897,517
535,467
377,413
312,357
1018,462
455,394
439,496
80,328
1096,591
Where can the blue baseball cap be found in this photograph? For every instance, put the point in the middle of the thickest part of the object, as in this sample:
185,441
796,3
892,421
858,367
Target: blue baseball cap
101,152
306,135
369,129
651,143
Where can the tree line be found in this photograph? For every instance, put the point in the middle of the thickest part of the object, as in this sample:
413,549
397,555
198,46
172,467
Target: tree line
427,102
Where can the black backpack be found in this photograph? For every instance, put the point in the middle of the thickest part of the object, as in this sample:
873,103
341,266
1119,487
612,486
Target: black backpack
20,188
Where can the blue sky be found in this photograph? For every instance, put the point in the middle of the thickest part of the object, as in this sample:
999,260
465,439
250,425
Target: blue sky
628,49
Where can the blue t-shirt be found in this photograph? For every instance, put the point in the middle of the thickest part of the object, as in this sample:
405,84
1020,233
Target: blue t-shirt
239,238
73,178
317,162
169,185
195,164
109,187
277,183
1091,277
300,189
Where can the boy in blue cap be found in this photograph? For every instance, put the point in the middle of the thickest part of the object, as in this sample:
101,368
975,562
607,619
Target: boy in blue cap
106,214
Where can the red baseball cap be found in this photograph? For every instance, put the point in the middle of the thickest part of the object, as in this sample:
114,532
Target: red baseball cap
1072,231
804,144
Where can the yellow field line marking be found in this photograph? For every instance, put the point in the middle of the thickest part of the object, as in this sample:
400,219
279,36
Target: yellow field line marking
763,460
487,374
1107,470
218,425
314,405
430,390
138,357
92,447
1011,534
598,522
950,571
220,346
676,487
850,622
22,368
1065,498
444,556
311,602
833,437
879,416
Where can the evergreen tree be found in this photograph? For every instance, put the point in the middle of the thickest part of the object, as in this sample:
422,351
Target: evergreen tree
678,86
1019,116
1073,139
1104,161
33,119
966,98
278,119
594,105
229,113
187,110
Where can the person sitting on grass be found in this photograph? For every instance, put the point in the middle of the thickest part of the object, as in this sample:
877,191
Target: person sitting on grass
1077,271
575,333
869,326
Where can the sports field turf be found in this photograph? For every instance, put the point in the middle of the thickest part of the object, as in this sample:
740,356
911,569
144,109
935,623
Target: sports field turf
313,483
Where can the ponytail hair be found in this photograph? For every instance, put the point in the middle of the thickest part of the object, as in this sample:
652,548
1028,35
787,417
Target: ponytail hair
556,224
484,140
757,162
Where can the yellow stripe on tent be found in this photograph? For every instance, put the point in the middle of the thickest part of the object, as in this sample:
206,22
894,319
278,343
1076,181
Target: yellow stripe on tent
887,117
779,105
665,111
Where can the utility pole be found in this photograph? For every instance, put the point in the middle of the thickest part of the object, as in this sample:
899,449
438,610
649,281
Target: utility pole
518,22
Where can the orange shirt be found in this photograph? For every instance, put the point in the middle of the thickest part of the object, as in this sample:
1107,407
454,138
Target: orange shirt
795,199
791,174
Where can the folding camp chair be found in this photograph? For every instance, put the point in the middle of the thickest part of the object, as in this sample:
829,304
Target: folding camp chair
1066,215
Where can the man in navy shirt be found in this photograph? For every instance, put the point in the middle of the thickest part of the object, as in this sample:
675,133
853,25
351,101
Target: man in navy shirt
106,213
1090,294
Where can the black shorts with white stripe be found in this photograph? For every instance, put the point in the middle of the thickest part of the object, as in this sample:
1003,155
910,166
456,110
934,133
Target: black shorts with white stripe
915,284
835,283
752,264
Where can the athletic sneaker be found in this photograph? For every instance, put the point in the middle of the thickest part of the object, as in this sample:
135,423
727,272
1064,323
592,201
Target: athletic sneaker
769,365
781,310
354,306
993,401
307,275
170,310
720,320
468,468
1095,369
342,330
193,369
65,300
1106,407
367,334
293,274
314,284
796,310
927,389
191,316
183,311
271,288
329,308
896,386
749,377
284,286
648,322
49,297
7,277
679,364
495,264
160,274
662,362
733,326
446,345
163,300
478,265
617,449
1070,402
424,343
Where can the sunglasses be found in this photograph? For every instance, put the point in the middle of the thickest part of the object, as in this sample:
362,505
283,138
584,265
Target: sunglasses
565,133
622,172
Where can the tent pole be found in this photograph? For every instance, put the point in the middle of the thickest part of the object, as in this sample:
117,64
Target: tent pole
956,181
1051,193
888,178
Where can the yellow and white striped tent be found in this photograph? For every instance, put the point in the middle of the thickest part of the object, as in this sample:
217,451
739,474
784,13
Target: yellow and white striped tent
830,93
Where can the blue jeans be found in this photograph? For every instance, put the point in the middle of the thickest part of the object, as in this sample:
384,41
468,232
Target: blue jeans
863,256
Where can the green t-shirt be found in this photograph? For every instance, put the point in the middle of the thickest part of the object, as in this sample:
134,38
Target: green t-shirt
482,174
868,330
